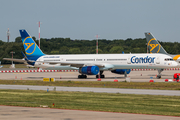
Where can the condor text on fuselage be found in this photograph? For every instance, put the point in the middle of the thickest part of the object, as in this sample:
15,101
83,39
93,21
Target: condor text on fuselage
147,59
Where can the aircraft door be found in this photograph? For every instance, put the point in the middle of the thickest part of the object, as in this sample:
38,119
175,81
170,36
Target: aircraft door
129,60
39,63
158,60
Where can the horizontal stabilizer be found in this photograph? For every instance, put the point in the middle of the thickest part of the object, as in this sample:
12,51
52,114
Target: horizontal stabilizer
17,60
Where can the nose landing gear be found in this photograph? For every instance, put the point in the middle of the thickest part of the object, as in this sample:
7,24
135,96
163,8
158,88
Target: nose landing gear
159,73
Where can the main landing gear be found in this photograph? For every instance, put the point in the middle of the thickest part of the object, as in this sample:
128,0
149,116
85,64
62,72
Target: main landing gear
82,76
97,76
100,75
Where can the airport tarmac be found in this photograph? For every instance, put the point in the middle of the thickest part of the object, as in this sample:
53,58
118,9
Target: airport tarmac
29,113
135,76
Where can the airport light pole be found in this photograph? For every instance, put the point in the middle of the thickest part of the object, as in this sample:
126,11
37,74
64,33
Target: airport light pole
97,53
97,44
8,35
39,32
12,55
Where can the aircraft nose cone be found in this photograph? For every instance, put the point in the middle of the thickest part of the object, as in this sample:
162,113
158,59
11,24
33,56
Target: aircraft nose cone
173,64
176,64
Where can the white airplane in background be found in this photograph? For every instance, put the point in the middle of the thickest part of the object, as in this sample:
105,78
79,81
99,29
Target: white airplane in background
92,64
155,47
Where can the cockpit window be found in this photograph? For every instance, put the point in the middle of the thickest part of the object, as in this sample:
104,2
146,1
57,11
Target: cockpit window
168,59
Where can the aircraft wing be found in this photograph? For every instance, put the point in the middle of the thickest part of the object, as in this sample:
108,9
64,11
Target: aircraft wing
82,64
74,64
17,60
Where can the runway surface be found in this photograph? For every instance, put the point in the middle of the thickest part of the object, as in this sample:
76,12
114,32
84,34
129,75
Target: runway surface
28,113
97,90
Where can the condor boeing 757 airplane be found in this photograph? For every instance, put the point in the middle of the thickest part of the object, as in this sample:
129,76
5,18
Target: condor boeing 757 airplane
92,64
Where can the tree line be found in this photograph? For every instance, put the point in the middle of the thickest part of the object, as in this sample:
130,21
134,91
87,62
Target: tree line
69,46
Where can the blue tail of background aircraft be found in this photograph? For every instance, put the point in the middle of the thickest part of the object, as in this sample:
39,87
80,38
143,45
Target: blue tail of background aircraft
33,52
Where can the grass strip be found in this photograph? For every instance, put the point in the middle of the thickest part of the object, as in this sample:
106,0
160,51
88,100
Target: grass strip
125,103
16,65
100,84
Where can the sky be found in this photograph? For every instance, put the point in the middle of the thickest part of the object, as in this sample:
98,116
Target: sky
84,19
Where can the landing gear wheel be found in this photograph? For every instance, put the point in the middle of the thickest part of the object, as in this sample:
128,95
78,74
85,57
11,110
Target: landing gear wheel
82,76
101,76
158,77
97,76
79,76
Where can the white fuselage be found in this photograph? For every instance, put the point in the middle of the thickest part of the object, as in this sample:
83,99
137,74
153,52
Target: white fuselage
108,61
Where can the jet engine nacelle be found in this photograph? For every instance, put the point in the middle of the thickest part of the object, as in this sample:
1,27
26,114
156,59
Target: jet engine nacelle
121,71
89,70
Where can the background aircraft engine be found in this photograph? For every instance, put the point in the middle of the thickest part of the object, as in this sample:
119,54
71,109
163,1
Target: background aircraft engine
89,70
121,71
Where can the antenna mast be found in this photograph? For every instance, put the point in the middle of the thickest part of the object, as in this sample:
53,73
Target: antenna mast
39,32
8,35
97,44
